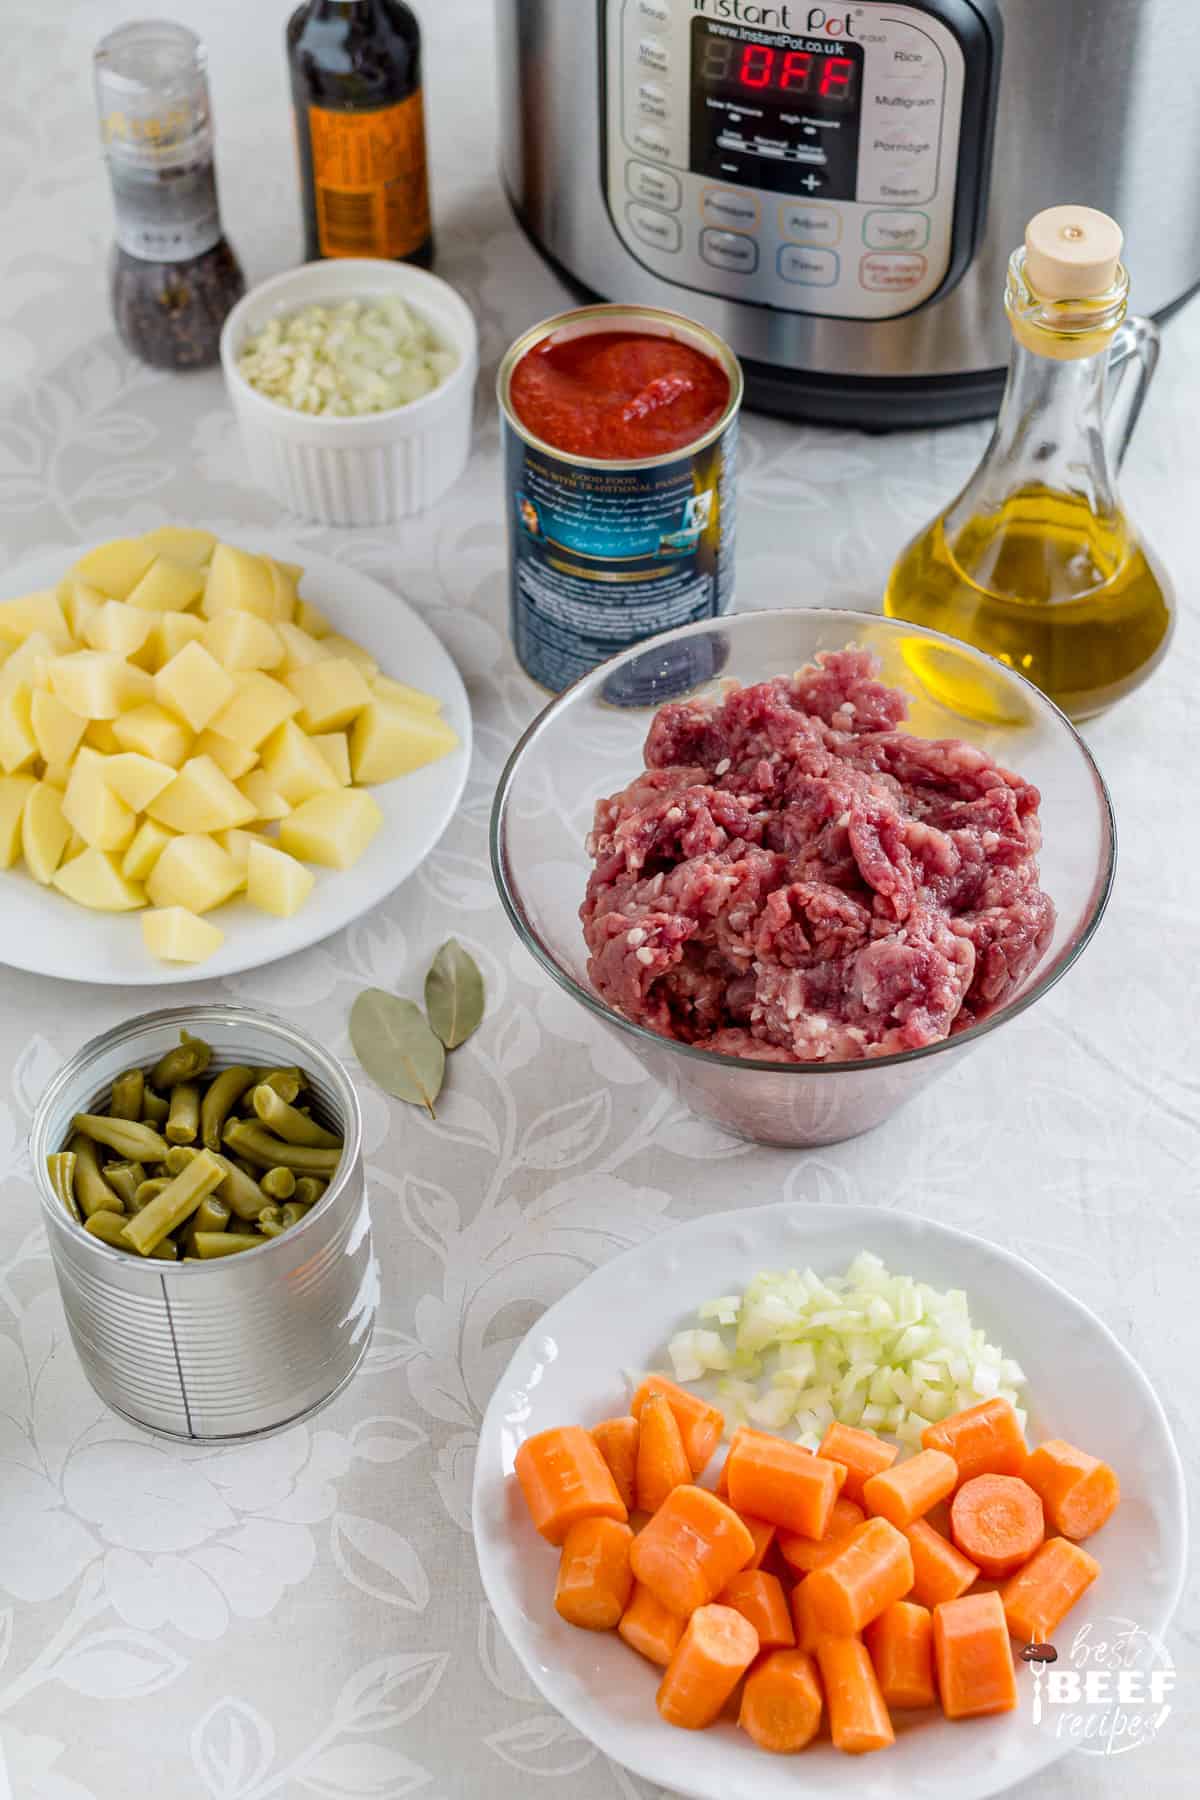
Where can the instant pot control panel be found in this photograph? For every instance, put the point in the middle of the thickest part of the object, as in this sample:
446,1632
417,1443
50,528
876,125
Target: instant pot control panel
815,160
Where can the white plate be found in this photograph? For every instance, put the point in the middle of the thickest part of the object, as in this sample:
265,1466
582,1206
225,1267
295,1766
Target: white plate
47,934
1082,1386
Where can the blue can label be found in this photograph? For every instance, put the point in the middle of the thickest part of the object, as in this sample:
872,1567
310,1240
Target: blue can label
604,555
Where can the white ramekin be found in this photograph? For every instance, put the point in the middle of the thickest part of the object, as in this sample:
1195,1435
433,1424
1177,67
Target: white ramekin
383,466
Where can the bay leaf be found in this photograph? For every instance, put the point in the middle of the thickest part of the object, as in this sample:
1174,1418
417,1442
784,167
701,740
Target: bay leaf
454,994
395,1046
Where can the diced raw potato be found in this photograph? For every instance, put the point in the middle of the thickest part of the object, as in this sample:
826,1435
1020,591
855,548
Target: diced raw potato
171,633
93,878
193,686
176,935
168,586
57,729
294,766
149,842
18,746
116,567
79,602
91,808
200,799
118,627
276,882
238,582
388,740
259,706
28,663
295,570
75,844
101,736
309,618
230,758
45,833
136,779
183,543
268,804
36,612
155,733
283,584
331,693
334,746
241,640
237,842
299,648
97,685
14,791
399,691
195,872
58,775
347,649
332,829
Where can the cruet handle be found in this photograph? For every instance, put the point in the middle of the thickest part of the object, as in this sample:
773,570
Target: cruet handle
1132,360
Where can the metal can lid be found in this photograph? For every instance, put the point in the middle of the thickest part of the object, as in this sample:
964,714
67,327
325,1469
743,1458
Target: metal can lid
1072,252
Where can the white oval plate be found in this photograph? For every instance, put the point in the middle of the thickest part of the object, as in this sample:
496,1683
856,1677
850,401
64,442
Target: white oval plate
45,933
1081,1385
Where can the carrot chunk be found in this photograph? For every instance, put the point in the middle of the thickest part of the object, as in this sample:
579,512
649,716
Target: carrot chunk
905,1492
860,1452
713,1654
763,1535
940,1572
973,1657
594,1577
649,1628
997,1521
873,1569
691,1548
900,1641
617,1442
858,1718
808,1629
806,1554
760,1598
783,1484
662,1462
700,1425
1039,1596
983,1440
744,1431
564,1478
781,1702
1078,1491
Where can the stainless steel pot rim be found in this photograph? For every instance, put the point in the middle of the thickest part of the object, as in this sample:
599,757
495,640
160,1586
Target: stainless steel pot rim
194,1018
710,1058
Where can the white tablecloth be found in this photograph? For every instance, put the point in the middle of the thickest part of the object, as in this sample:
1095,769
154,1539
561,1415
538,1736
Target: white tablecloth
304,1617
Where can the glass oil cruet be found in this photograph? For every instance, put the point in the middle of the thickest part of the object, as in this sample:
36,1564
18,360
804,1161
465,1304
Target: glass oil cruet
1036,561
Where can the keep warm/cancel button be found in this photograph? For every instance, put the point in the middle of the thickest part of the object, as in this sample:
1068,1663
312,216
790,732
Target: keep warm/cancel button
891,271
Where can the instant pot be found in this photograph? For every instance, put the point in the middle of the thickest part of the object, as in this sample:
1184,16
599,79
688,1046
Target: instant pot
836,189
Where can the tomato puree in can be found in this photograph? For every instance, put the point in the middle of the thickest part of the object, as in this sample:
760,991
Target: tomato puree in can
618,395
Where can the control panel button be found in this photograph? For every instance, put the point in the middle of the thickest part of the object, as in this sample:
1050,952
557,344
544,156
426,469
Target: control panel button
808,268
725,208
896,230
655,12
651,141
729,250
652,101
891,271
810,224
657,187
657,229
813,182
653,54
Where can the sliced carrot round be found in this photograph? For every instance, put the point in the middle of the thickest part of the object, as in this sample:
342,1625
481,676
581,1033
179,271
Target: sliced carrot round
996,1521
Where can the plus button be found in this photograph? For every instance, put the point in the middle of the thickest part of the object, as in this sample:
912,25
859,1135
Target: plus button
812,183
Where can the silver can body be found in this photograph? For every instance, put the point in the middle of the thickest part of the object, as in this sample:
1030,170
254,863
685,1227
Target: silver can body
212,1352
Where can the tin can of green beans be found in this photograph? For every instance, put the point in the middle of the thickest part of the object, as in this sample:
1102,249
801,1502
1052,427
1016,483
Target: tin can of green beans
234,1348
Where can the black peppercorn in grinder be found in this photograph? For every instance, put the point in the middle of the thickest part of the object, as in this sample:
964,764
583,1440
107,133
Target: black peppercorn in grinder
360,128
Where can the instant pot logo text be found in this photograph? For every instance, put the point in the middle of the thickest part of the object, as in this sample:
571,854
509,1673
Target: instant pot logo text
779,18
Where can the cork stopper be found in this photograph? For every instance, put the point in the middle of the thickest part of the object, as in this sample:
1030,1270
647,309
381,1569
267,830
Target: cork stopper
1072,253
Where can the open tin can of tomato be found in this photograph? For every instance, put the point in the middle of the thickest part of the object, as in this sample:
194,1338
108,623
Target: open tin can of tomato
620,432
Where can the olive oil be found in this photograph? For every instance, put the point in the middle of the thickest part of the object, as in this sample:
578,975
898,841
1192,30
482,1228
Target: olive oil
1036,562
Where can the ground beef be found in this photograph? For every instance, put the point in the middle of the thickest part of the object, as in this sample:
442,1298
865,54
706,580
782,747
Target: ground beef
793,877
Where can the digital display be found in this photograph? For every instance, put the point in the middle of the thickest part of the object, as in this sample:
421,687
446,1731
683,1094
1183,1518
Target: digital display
770,71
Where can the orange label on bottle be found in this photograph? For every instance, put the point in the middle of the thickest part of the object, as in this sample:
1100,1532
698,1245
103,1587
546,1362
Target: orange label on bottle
371,180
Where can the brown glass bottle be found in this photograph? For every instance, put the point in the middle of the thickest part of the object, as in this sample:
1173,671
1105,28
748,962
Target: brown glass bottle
356,86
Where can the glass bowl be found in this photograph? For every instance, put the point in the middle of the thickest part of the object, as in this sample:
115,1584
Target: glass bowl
588,743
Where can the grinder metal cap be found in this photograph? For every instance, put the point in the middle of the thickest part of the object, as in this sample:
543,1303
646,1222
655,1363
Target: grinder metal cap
1072,252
